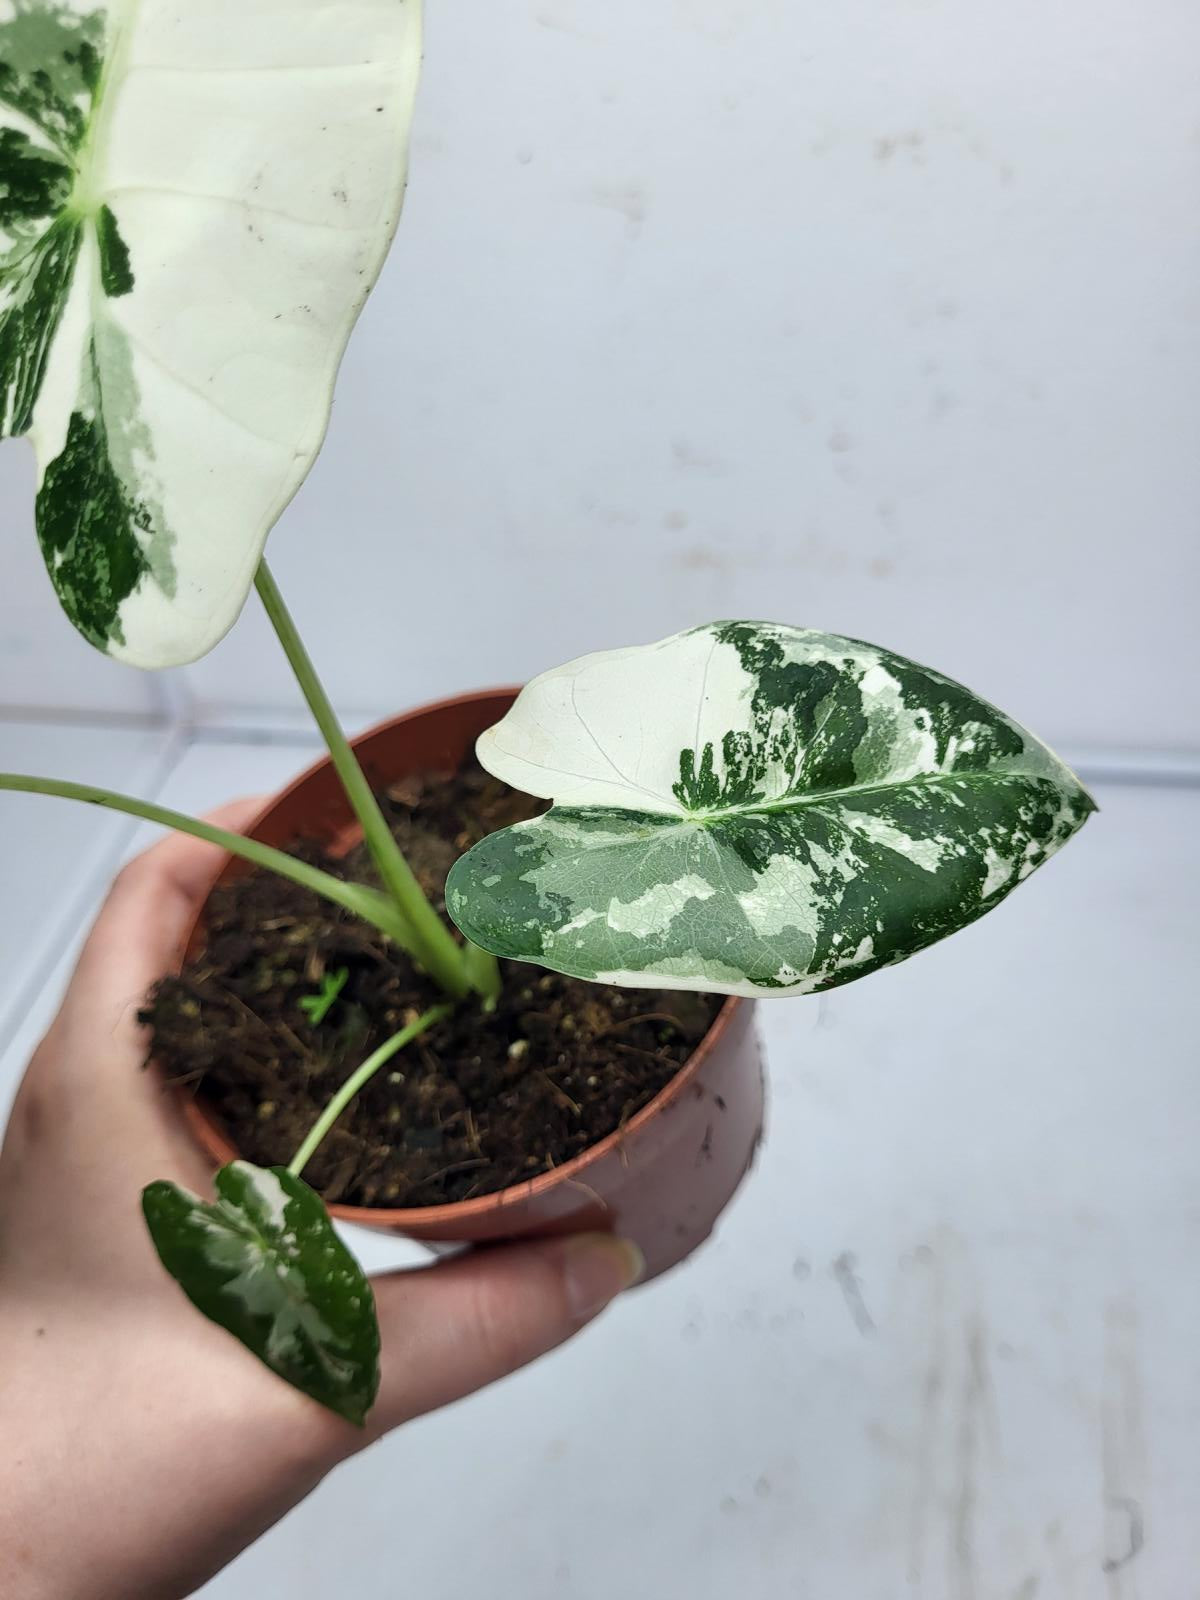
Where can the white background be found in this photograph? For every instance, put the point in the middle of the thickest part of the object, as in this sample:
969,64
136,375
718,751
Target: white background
881,316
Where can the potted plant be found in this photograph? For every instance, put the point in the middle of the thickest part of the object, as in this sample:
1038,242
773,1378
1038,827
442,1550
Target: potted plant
743,810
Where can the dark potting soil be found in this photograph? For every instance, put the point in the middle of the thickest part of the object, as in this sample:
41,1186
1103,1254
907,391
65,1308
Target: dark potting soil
479,1102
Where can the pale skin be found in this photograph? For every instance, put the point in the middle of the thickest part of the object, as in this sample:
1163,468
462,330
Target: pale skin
141,1447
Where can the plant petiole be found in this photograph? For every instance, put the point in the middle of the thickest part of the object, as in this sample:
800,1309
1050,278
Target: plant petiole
365,902
358,1079
429,938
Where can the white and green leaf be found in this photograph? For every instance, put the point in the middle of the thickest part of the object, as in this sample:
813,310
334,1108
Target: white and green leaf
757,810
195,199
264,1262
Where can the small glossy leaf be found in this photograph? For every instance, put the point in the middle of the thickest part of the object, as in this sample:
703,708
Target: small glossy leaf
754,809
195,199
317,1007
265,1263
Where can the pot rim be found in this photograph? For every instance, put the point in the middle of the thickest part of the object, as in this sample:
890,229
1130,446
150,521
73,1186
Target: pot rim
207,1129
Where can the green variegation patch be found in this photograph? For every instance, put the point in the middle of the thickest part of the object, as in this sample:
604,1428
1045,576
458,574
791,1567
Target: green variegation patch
194,203
99,509
755,809
49,67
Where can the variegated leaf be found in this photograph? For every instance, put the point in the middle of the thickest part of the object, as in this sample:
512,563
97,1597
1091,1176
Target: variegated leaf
263,1261
195,199
757,810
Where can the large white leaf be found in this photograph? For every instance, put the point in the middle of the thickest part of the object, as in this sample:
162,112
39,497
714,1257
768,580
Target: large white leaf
195,199
754,809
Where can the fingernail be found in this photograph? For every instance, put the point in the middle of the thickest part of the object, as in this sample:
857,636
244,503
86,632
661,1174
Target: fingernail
598,1267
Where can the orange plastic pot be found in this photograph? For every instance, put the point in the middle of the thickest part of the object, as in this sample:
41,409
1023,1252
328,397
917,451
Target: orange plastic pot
661,1180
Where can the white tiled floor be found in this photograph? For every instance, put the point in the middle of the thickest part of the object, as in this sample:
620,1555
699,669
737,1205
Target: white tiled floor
944,1346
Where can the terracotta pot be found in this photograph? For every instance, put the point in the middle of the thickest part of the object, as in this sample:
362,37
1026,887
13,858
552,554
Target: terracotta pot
663,1179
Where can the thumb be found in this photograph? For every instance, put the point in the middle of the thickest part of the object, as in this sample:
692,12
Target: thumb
447,1330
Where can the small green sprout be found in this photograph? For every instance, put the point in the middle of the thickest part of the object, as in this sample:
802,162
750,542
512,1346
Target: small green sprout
317,1006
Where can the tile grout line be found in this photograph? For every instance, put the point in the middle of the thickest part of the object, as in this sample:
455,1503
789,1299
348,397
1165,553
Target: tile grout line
94,879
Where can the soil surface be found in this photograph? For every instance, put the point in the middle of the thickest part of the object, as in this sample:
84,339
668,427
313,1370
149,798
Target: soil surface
476,1104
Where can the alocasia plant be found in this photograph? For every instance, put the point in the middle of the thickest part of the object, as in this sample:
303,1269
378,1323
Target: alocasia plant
195,197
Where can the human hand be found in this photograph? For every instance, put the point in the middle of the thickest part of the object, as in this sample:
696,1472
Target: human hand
143,1446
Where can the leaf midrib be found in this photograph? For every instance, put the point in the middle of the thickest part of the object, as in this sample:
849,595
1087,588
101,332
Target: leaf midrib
822,796
89,160
804,802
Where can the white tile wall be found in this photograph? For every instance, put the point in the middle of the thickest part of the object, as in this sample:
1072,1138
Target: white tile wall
881,316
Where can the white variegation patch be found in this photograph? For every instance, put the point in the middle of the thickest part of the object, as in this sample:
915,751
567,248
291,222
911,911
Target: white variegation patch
655,910
606,730
755,809
926,853
784,896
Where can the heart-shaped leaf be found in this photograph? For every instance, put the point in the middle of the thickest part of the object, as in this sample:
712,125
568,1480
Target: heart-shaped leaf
265,1263
195,200
754,809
